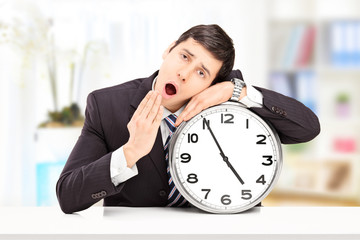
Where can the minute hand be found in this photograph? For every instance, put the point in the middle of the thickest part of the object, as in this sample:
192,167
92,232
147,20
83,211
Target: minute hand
225,158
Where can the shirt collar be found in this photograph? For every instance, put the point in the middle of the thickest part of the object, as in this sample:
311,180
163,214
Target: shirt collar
153,84
166,112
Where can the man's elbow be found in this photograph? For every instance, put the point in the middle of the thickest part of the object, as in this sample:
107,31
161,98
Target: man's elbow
309,130
300,134
63,199
66,209
313,128
312,132
65,206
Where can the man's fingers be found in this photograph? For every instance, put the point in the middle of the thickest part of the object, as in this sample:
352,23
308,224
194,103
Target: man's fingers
183,115
195,110
142,104
180,118
190,111
158,117
149,104
155,108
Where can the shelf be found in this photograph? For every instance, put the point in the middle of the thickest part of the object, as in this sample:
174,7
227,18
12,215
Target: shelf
349,71
292,69
319,33
339,70
334,123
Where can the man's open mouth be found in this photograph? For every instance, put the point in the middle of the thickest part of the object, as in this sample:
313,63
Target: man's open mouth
170,89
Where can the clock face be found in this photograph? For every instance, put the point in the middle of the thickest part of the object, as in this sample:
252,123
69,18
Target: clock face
226,159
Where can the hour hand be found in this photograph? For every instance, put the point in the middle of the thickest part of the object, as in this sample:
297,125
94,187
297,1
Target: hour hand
233,170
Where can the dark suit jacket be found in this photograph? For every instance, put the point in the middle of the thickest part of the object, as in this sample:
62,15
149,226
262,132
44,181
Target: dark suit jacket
85,178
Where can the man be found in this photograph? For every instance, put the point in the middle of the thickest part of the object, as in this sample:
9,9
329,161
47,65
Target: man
120,157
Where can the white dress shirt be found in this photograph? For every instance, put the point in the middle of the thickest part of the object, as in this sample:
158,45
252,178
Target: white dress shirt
119,171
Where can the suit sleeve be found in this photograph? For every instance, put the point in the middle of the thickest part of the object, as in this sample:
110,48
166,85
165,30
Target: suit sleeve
294,122
85,178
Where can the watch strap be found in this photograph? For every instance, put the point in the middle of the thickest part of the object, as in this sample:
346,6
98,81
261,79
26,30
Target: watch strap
238,86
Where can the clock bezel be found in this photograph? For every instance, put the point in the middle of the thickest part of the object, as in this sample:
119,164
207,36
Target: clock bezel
182,189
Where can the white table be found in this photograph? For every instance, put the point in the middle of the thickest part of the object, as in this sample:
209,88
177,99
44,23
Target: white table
176,223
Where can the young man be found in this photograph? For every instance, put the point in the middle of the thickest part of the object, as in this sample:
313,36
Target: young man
120,157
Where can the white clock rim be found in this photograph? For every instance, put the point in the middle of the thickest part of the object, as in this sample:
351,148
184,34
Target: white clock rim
206,208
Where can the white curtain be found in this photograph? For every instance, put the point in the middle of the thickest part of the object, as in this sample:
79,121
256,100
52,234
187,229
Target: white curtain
17,124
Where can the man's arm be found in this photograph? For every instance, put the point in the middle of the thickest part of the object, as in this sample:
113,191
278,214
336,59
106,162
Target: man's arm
294,122
86,177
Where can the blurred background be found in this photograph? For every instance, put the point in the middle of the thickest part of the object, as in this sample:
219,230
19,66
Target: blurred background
54,52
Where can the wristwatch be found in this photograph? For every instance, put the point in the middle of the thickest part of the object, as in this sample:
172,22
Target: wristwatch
239,84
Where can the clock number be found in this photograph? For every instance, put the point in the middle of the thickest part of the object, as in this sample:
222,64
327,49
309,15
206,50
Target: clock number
229,120
262,140
225,199
204,124
193,138
246,194
247,123
185,157
269,160
261,180
192,178
207,192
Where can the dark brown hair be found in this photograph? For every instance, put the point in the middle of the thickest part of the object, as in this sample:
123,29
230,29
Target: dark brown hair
214,39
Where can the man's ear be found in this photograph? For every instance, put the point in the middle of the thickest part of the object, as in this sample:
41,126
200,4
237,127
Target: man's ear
166,52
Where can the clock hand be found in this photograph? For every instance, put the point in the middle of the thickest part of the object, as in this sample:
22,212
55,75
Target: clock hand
233,170
225,158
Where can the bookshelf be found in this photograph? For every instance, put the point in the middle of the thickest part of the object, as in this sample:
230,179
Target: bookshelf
314,56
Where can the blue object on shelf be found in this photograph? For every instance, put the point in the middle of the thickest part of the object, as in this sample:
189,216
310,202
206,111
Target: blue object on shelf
345,43
357,47
305,89
47,174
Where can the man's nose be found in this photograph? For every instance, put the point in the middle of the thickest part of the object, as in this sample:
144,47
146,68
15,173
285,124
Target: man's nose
183,74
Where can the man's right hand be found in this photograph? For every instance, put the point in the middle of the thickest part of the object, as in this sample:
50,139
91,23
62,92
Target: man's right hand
143,128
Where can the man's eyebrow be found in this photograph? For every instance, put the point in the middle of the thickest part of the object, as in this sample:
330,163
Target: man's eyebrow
202,65
188,52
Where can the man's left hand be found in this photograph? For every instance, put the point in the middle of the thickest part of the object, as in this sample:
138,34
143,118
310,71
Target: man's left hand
211,96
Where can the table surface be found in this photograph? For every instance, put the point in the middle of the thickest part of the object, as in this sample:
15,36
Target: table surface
325,221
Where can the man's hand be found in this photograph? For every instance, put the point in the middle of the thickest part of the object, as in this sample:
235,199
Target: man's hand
143,128
213,95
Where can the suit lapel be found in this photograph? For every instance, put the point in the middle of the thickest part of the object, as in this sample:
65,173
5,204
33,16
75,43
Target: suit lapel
156,154
143,89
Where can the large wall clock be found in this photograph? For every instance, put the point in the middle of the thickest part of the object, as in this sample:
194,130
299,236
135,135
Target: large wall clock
226,159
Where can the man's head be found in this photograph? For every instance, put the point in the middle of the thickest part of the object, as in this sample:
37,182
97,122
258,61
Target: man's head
214,39
202,56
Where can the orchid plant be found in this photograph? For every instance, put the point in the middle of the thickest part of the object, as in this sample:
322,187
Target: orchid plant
26,30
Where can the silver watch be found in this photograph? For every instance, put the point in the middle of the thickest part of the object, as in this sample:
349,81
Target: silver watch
239,84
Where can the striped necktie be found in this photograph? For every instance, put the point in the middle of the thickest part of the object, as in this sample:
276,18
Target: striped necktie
174,199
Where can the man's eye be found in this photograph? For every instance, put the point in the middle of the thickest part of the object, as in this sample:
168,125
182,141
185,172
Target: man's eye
201,73
183,56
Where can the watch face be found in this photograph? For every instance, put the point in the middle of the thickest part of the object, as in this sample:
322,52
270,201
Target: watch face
226,159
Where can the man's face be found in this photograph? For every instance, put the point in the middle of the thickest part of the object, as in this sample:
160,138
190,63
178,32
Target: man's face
186,71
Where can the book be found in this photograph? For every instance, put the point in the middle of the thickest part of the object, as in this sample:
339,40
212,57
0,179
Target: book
306,47
345,43
293,46
306,89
